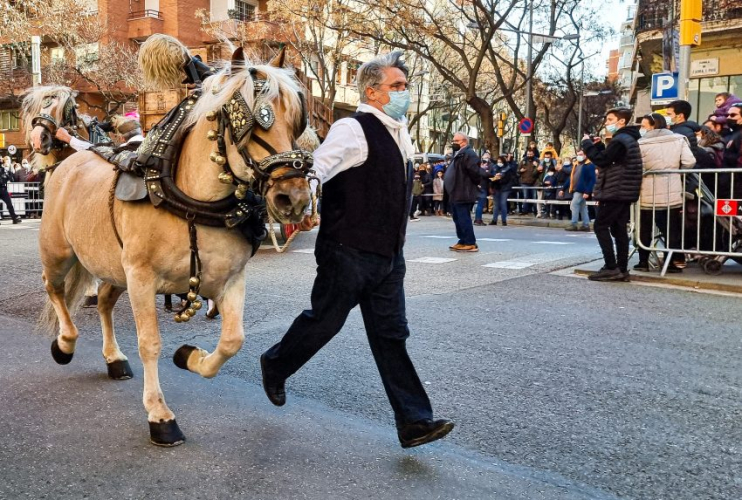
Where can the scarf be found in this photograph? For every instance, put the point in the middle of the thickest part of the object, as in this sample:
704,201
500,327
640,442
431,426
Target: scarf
397,128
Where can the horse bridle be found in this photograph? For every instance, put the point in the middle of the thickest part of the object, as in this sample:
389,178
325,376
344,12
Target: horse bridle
237,117
46,121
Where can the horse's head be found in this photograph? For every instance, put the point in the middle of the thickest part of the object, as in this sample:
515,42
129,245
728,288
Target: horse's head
258,113
44,110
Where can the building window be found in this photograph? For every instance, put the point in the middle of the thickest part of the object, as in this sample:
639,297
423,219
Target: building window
243,11
56,54
20,58
702,92
9,120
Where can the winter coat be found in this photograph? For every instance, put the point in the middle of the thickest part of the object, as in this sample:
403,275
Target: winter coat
619,166
549,182
417,187
582,178
427,179
438,189
664,150
561,182
688,129
528,173
463,177
720,114
551,150
732,159
506,182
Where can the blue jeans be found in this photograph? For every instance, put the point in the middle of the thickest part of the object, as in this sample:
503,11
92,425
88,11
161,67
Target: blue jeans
481,203
345,278
461,213
528,194
579,209
500,205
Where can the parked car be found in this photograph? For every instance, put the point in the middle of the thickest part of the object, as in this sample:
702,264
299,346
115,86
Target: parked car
427,158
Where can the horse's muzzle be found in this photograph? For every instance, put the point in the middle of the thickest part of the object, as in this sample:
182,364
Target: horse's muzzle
41,140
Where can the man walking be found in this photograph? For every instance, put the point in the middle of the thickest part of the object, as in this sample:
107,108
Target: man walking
617,187
5,177
462,180
359,250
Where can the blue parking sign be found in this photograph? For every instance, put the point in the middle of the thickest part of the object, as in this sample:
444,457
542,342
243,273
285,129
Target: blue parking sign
664,86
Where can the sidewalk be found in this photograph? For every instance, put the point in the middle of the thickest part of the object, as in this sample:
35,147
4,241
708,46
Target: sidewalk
730,279
70,432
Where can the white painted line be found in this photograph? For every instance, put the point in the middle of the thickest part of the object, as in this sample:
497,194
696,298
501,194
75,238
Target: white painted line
433,260
16,226
553,242
441,237
493,239
304,250
508,264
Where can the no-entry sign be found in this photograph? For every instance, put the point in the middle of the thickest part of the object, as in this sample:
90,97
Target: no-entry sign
728,208
525,125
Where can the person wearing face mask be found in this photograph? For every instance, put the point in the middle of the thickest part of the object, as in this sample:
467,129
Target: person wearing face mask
359,250
438,193
6,176
677,113
528,174
733,152
462,181
484,190
502,183
582,181
662,196
616,188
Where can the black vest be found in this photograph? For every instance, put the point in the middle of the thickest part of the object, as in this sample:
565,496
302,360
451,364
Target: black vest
366,207
621,181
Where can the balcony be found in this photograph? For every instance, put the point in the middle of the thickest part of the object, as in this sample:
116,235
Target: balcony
143,23
654,15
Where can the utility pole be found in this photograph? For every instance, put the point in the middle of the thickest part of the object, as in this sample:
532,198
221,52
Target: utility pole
529,72
691,14
36,60
582,98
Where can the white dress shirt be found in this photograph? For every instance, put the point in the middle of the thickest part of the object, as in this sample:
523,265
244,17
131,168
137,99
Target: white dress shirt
79,144
346,146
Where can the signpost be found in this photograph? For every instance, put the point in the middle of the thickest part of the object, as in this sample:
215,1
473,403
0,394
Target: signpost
664,88
525,126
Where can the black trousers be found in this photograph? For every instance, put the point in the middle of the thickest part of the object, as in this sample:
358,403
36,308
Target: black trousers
611,220
672,234
345,278
5,196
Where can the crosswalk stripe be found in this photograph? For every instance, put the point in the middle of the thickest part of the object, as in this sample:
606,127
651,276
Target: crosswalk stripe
304,250
510,265
494,239
433,260
553,242
439,237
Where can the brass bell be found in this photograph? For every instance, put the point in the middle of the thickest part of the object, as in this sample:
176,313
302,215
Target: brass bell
225,178
212,135
192,296
190,312
241,191
194,282
185,318
177,318
197,305
211,116
219,160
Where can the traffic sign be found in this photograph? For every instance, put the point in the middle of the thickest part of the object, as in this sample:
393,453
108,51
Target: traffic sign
728,208
664,87
525,126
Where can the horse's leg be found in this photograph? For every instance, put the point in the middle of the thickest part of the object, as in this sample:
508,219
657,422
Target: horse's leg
116,361
163,429
231,304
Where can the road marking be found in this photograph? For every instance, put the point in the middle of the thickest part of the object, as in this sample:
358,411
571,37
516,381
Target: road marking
553,242
432,260
440,237
509,264
494,239
304,250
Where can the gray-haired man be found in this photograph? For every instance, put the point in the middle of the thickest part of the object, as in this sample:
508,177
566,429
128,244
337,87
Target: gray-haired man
366,168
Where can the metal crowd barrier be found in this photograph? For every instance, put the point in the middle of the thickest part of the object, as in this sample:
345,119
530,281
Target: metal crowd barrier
542,201
706,223
26,199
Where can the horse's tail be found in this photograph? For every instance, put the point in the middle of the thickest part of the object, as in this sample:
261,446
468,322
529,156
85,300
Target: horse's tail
77,281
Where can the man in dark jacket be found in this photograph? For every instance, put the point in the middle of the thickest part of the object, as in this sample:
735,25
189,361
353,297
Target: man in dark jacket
733,153
5,177
461,182
616,188
677,117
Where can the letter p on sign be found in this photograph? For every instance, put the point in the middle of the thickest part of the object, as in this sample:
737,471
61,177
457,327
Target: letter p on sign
664,86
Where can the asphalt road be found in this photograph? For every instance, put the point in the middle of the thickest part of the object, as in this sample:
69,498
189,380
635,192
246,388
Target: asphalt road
560,387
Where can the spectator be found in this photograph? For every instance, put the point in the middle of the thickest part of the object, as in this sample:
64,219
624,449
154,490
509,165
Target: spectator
514,207
561,186
533,150
484,189
616,188
549,149
528,174
502,184
426,177
718,127
678,113
462,181
582,181
5,177
549,193
733,152
438,193
662,196
547,162
417,191
723,101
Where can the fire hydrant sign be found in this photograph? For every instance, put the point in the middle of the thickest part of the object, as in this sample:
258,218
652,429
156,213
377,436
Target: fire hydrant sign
728,208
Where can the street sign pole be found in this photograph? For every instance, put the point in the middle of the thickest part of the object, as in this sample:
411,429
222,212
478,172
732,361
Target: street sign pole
691,13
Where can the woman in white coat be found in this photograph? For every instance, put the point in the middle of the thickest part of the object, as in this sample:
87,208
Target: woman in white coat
661,198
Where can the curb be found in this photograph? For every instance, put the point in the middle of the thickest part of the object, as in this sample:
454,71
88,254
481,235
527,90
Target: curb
655,278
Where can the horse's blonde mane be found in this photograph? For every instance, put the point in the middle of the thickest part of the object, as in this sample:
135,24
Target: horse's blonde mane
280,82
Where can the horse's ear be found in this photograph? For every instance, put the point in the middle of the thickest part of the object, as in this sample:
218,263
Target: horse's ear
278,60
238,57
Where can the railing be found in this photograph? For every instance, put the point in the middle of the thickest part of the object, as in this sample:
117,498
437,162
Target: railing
26,199
141,14
653,14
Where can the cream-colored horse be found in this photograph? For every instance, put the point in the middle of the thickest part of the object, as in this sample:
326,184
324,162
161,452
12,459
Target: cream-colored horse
78,242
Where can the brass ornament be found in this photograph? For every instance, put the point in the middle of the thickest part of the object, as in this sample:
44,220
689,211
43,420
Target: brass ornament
265,117
217,158
185,318
194,282
192,296
239,116
190,312
225,178
211,116
212,135
197,305
177,318
241,191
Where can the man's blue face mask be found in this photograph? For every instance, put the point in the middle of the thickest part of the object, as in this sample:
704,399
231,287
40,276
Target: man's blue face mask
399,103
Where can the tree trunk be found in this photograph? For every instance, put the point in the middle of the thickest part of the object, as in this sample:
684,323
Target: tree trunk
489,136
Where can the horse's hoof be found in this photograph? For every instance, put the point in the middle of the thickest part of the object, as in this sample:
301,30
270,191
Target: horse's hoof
180,358
62,358
119,370
165,434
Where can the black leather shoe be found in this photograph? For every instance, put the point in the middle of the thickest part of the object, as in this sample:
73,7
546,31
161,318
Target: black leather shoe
423,431
274,389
